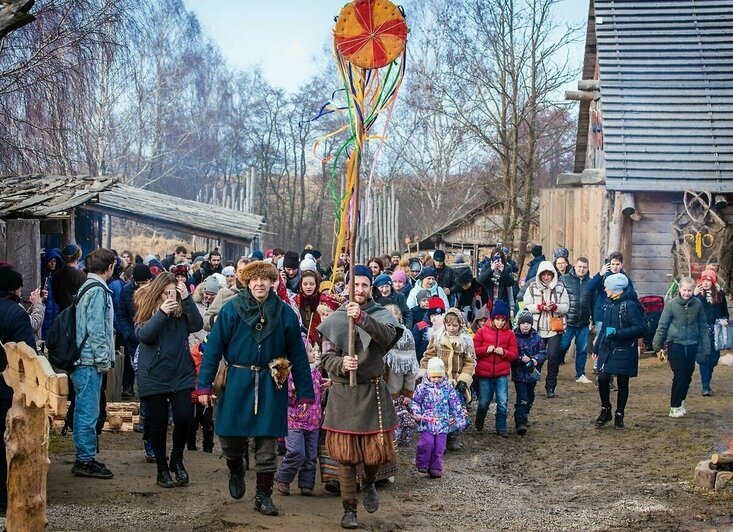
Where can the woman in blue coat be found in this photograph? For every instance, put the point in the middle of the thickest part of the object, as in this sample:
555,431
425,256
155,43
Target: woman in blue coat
254,330
617,346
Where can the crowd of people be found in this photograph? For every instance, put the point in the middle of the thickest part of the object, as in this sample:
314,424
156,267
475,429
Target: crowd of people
257,350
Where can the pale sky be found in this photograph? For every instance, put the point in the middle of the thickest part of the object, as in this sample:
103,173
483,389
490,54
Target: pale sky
287,37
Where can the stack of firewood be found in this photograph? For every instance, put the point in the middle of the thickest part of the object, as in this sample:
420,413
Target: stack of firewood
716,473
120,417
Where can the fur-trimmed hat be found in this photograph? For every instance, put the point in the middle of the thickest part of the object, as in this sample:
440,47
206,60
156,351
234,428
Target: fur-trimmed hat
70,253
258,268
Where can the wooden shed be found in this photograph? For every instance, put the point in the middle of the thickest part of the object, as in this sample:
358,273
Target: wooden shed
476,232
654,152
50,211
38,211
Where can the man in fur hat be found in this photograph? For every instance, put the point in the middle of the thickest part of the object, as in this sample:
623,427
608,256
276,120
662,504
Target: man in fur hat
259,339
359,420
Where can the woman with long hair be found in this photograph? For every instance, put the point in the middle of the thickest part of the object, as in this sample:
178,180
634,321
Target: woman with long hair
307,301
166,315
716,310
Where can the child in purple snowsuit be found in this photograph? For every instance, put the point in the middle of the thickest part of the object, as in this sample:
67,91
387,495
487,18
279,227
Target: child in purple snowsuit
301,443
438,410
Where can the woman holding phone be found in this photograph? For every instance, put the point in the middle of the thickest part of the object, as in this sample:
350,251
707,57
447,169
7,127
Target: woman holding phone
166,315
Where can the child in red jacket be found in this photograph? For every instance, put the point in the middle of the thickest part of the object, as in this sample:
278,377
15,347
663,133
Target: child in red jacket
496,349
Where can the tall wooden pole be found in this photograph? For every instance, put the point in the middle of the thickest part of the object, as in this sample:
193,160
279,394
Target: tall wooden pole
354,224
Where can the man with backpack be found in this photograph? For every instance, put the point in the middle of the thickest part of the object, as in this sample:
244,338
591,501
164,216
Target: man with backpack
95,338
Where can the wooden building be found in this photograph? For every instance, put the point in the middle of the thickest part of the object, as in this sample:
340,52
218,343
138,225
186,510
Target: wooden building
653,167
37,212
474,233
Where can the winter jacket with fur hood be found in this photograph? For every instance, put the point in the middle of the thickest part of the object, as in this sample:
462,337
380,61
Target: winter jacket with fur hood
492,365
539,296
456,352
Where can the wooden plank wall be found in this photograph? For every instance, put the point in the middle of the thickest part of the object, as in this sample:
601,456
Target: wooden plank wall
23,249
575,218
485,228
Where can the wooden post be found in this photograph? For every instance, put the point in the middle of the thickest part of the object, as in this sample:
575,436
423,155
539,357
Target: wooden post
23,249
615,226
36,390
3,240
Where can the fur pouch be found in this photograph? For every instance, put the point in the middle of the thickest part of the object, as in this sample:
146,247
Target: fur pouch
280,369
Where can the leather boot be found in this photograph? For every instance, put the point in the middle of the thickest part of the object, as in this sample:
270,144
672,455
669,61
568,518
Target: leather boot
164,479
176,467
236,479
618,421
264,504
349,519
604,417
371,498
263,496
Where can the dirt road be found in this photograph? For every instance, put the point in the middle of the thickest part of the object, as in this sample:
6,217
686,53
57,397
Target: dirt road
563,475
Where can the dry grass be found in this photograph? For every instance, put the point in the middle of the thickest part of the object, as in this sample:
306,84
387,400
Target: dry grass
146,245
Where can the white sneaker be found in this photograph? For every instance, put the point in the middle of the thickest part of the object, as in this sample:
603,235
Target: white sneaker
682,408
583,380
676,412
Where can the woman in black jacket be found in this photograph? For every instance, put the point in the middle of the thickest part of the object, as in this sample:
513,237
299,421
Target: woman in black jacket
166,315
716,309
617,346
385,294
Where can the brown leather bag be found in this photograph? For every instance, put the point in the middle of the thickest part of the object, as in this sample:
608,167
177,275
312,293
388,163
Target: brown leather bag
557,324
220,380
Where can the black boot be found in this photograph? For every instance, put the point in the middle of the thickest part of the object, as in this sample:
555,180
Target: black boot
618,420
371,498
180,472
263,496
236,479
604,417
349,519
264,504
164,477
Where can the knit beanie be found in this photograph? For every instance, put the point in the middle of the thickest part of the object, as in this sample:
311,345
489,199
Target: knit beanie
257,255
463,275
399,275
436,367
561,252
291,259
500,308
308,264
708,274
382,279
428,272
71,253
616,282
435,306
360,270
525,317
10,279
211,285
141,273
439,255
536,251
229,270
423,294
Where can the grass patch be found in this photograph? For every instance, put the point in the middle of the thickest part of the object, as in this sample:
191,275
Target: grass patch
58,444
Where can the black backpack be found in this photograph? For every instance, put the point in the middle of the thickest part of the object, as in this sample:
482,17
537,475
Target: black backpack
63,353
644,316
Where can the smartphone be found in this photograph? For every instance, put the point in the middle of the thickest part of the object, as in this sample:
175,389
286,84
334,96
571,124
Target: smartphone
170,295
606,261
45,285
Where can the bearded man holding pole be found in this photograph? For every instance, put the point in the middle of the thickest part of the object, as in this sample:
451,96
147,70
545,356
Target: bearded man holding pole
360,417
